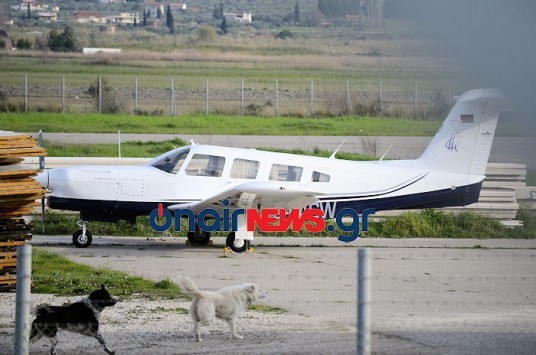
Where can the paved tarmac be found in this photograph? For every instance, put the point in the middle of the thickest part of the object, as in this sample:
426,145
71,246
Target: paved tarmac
429,295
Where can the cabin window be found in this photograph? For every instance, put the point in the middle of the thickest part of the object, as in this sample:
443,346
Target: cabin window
205,165
320,177
244,169
281,172
172,163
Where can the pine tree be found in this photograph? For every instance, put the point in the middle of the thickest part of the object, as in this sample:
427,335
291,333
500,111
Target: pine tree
297,15
170,23
224,28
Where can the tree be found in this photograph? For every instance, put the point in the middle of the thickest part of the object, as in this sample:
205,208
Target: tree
23,43
144,23
62,42
223,27
217,13
297,15
337,8
205,34
170,23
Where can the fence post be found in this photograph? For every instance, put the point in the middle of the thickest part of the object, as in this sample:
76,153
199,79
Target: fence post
242,98
363,301
415,100
206,98
173,111
348,98
100,94
136,96
277,98
22,311
312,98
63,94
26,93
380,97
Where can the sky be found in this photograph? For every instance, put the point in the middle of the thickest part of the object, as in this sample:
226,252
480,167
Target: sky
495,41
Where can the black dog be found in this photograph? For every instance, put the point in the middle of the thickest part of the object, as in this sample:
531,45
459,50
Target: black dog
80,317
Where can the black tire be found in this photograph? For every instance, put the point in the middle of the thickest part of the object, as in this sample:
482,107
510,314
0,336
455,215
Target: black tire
198,237
80,241
230,242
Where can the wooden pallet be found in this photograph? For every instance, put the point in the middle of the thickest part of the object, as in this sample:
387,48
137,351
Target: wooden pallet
18,195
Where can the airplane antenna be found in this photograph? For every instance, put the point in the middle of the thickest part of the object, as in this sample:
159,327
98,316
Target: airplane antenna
193,142
384,154
332,156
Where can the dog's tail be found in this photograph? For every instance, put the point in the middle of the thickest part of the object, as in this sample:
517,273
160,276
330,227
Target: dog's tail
189,287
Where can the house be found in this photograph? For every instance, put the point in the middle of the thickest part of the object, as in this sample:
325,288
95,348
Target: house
177,7
126,18
239,16
89,17
47,16
352,19
153,8
6,21
33,4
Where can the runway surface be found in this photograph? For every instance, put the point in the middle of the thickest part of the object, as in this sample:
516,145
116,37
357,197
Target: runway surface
429,296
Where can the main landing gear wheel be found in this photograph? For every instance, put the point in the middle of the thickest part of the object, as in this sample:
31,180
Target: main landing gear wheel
198,237
237,245
81,240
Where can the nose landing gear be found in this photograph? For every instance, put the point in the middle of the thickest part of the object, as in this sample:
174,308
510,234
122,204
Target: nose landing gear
82,238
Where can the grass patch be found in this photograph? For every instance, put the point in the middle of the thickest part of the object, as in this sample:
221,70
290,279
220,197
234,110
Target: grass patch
65,224
217,124
429,223
55,274
266,309
133,149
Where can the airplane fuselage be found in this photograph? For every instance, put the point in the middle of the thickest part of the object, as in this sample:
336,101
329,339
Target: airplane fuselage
331,184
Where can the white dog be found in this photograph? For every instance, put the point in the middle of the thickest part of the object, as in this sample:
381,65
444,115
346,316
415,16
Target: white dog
227,304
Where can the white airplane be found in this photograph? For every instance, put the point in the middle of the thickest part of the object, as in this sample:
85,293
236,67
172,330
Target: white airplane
199,177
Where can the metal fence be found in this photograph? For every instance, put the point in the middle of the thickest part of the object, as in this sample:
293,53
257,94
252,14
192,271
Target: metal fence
174,96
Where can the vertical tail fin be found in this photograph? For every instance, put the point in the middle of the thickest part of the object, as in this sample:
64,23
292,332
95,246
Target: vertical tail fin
463,143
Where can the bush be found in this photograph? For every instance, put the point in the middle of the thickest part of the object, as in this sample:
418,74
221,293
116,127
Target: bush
110,102
24,43
6,105
285,34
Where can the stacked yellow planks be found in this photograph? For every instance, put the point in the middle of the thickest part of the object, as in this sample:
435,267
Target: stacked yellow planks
18,195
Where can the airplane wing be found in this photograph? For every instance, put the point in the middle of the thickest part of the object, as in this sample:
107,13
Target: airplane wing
266,194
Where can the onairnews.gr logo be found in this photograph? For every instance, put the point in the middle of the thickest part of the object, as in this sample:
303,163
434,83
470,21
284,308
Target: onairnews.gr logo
266,220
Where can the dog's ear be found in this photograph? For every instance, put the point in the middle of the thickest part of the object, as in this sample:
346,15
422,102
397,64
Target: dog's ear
102,287
251,288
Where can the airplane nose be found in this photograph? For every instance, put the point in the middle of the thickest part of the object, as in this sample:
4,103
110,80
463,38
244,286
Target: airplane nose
43,179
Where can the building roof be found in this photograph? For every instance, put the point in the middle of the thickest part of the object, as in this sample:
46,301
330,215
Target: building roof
88,14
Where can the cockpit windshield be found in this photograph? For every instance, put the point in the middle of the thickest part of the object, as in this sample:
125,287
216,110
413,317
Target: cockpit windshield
173,162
